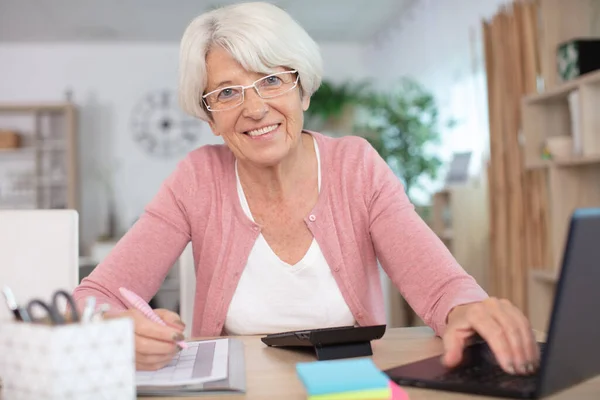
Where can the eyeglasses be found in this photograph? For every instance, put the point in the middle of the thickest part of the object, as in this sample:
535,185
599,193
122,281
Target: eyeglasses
267,87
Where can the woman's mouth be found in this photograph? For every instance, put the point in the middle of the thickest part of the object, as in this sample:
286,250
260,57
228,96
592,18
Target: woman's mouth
262,131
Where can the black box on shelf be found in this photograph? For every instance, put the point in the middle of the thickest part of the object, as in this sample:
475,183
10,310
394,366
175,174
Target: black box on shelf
577,57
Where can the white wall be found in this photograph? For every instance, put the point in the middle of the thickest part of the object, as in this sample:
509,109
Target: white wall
432,40
107,80
344,61
439,43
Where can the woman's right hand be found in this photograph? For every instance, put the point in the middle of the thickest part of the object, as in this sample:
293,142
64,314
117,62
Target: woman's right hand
155,344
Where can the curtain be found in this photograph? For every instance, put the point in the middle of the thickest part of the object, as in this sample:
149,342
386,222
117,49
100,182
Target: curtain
517,196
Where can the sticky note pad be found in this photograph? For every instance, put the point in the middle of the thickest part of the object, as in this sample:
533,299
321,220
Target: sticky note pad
357,378
378,394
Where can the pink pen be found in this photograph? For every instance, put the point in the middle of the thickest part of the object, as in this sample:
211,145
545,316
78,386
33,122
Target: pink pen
139,303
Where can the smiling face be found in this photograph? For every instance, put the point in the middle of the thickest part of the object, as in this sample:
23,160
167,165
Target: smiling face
260,131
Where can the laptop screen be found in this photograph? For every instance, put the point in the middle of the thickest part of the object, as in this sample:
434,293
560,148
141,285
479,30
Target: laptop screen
572,351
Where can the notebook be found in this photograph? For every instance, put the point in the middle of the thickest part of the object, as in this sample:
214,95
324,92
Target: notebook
205,366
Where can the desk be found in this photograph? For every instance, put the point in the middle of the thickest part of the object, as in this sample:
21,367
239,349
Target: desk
271,373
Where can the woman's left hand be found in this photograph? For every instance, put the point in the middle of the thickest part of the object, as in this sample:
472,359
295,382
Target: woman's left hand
502,325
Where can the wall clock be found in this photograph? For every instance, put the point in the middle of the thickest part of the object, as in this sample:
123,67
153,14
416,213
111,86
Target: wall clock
161,128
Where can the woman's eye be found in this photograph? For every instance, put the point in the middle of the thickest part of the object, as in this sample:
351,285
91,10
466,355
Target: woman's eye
272,80
226,94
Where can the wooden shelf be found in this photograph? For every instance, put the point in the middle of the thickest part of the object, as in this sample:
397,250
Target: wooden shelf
34,107
561,92
565,162
555,114
563,119
572,181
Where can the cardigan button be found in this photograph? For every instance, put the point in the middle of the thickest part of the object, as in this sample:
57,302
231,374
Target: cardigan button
312,218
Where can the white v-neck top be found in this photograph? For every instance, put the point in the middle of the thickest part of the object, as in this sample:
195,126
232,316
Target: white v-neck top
273,296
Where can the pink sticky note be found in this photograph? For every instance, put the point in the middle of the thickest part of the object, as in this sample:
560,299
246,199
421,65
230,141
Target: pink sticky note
397,392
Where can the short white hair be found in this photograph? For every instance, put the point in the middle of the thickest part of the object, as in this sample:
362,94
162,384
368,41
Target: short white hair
260,36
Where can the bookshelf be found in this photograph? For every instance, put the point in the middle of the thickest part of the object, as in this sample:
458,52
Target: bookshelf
40,172
566,114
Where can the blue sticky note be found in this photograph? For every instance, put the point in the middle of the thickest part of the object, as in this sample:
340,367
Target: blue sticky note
335,376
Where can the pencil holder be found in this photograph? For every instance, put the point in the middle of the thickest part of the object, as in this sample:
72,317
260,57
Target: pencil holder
80,361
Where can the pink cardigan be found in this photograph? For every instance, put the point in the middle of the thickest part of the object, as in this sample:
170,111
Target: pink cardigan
362,215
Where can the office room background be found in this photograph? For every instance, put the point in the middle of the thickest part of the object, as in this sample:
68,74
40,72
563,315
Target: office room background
92,84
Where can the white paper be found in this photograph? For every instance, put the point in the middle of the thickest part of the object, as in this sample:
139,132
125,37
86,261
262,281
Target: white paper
209,358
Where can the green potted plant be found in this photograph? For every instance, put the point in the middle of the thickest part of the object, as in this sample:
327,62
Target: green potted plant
332,106
403,126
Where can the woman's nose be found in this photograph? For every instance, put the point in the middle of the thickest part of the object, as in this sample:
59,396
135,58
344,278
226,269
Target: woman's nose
254,106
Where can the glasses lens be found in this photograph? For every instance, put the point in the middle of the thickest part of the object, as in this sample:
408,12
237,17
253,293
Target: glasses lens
225,98
270,86
276,84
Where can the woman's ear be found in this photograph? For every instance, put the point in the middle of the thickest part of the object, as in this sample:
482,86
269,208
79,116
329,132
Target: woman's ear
213,127
305,102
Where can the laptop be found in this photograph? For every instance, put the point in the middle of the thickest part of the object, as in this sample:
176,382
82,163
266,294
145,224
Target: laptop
571,353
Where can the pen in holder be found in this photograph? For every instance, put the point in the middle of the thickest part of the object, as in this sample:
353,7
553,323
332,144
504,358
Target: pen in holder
67,358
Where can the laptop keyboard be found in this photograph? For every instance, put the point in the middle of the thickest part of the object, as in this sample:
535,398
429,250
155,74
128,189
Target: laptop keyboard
489,374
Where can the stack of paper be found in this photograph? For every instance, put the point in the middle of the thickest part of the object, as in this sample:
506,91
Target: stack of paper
348,379
215,366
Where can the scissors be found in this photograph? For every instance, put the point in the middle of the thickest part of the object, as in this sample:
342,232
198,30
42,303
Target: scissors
52,309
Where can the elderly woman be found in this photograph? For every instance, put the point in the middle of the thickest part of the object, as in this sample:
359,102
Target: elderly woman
287,226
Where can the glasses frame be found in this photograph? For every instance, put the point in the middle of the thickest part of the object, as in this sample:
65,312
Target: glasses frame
253,85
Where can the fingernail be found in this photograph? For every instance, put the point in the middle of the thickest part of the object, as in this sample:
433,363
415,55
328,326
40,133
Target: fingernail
178,337
524,368
179,322
511,369
531,367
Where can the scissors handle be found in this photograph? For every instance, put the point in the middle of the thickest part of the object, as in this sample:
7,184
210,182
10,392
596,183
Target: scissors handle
50,311
71,305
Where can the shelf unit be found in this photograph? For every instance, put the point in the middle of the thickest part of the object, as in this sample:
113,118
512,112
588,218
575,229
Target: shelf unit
441,216
42,172
459,217
573,178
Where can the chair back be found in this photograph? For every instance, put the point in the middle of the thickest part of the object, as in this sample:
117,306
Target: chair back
39,252
187,288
